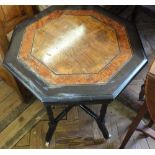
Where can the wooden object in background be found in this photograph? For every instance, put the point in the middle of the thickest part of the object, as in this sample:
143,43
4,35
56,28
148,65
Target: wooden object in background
10,16
147,107
3,42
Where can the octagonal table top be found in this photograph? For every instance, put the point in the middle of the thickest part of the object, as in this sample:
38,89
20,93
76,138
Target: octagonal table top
75,53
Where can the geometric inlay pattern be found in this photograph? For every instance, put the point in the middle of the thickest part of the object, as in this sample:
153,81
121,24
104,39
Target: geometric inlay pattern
75,47
79,45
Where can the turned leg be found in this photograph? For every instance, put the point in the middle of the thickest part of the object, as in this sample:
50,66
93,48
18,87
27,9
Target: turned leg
134,125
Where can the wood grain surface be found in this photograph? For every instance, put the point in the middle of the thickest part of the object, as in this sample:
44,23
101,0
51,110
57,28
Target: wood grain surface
149,91
75,47
11,15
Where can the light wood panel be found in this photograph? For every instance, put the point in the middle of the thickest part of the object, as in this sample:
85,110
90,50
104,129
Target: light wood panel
6,136
5,91
8,104
24,142
11,81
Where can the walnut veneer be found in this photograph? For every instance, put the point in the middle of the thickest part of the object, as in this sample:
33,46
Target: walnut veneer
75,47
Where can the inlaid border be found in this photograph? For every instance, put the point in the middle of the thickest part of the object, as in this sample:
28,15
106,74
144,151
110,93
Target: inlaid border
51,78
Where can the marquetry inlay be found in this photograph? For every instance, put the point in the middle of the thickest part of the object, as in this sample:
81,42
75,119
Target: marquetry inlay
75,47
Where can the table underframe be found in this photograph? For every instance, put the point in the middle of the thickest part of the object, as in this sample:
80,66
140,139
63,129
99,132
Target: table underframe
100,119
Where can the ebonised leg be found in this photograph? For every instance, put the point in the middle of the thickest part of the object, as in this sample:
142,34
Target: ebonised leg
54,121
99,119
103,111
52,125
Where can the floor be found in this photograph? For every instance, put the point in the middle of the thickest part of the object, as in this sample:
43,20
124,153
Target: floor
25,125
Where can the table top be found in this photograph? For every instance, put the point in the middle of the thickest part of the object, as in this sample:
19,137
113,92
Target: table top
75,53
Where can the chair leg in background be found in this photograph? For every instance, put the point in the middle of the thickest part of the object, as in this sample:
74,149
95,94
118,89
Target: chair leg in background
134,125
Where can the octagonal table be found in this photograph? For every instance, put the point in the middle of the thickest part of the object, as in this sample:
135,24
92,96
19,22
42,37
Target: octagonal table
75,55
